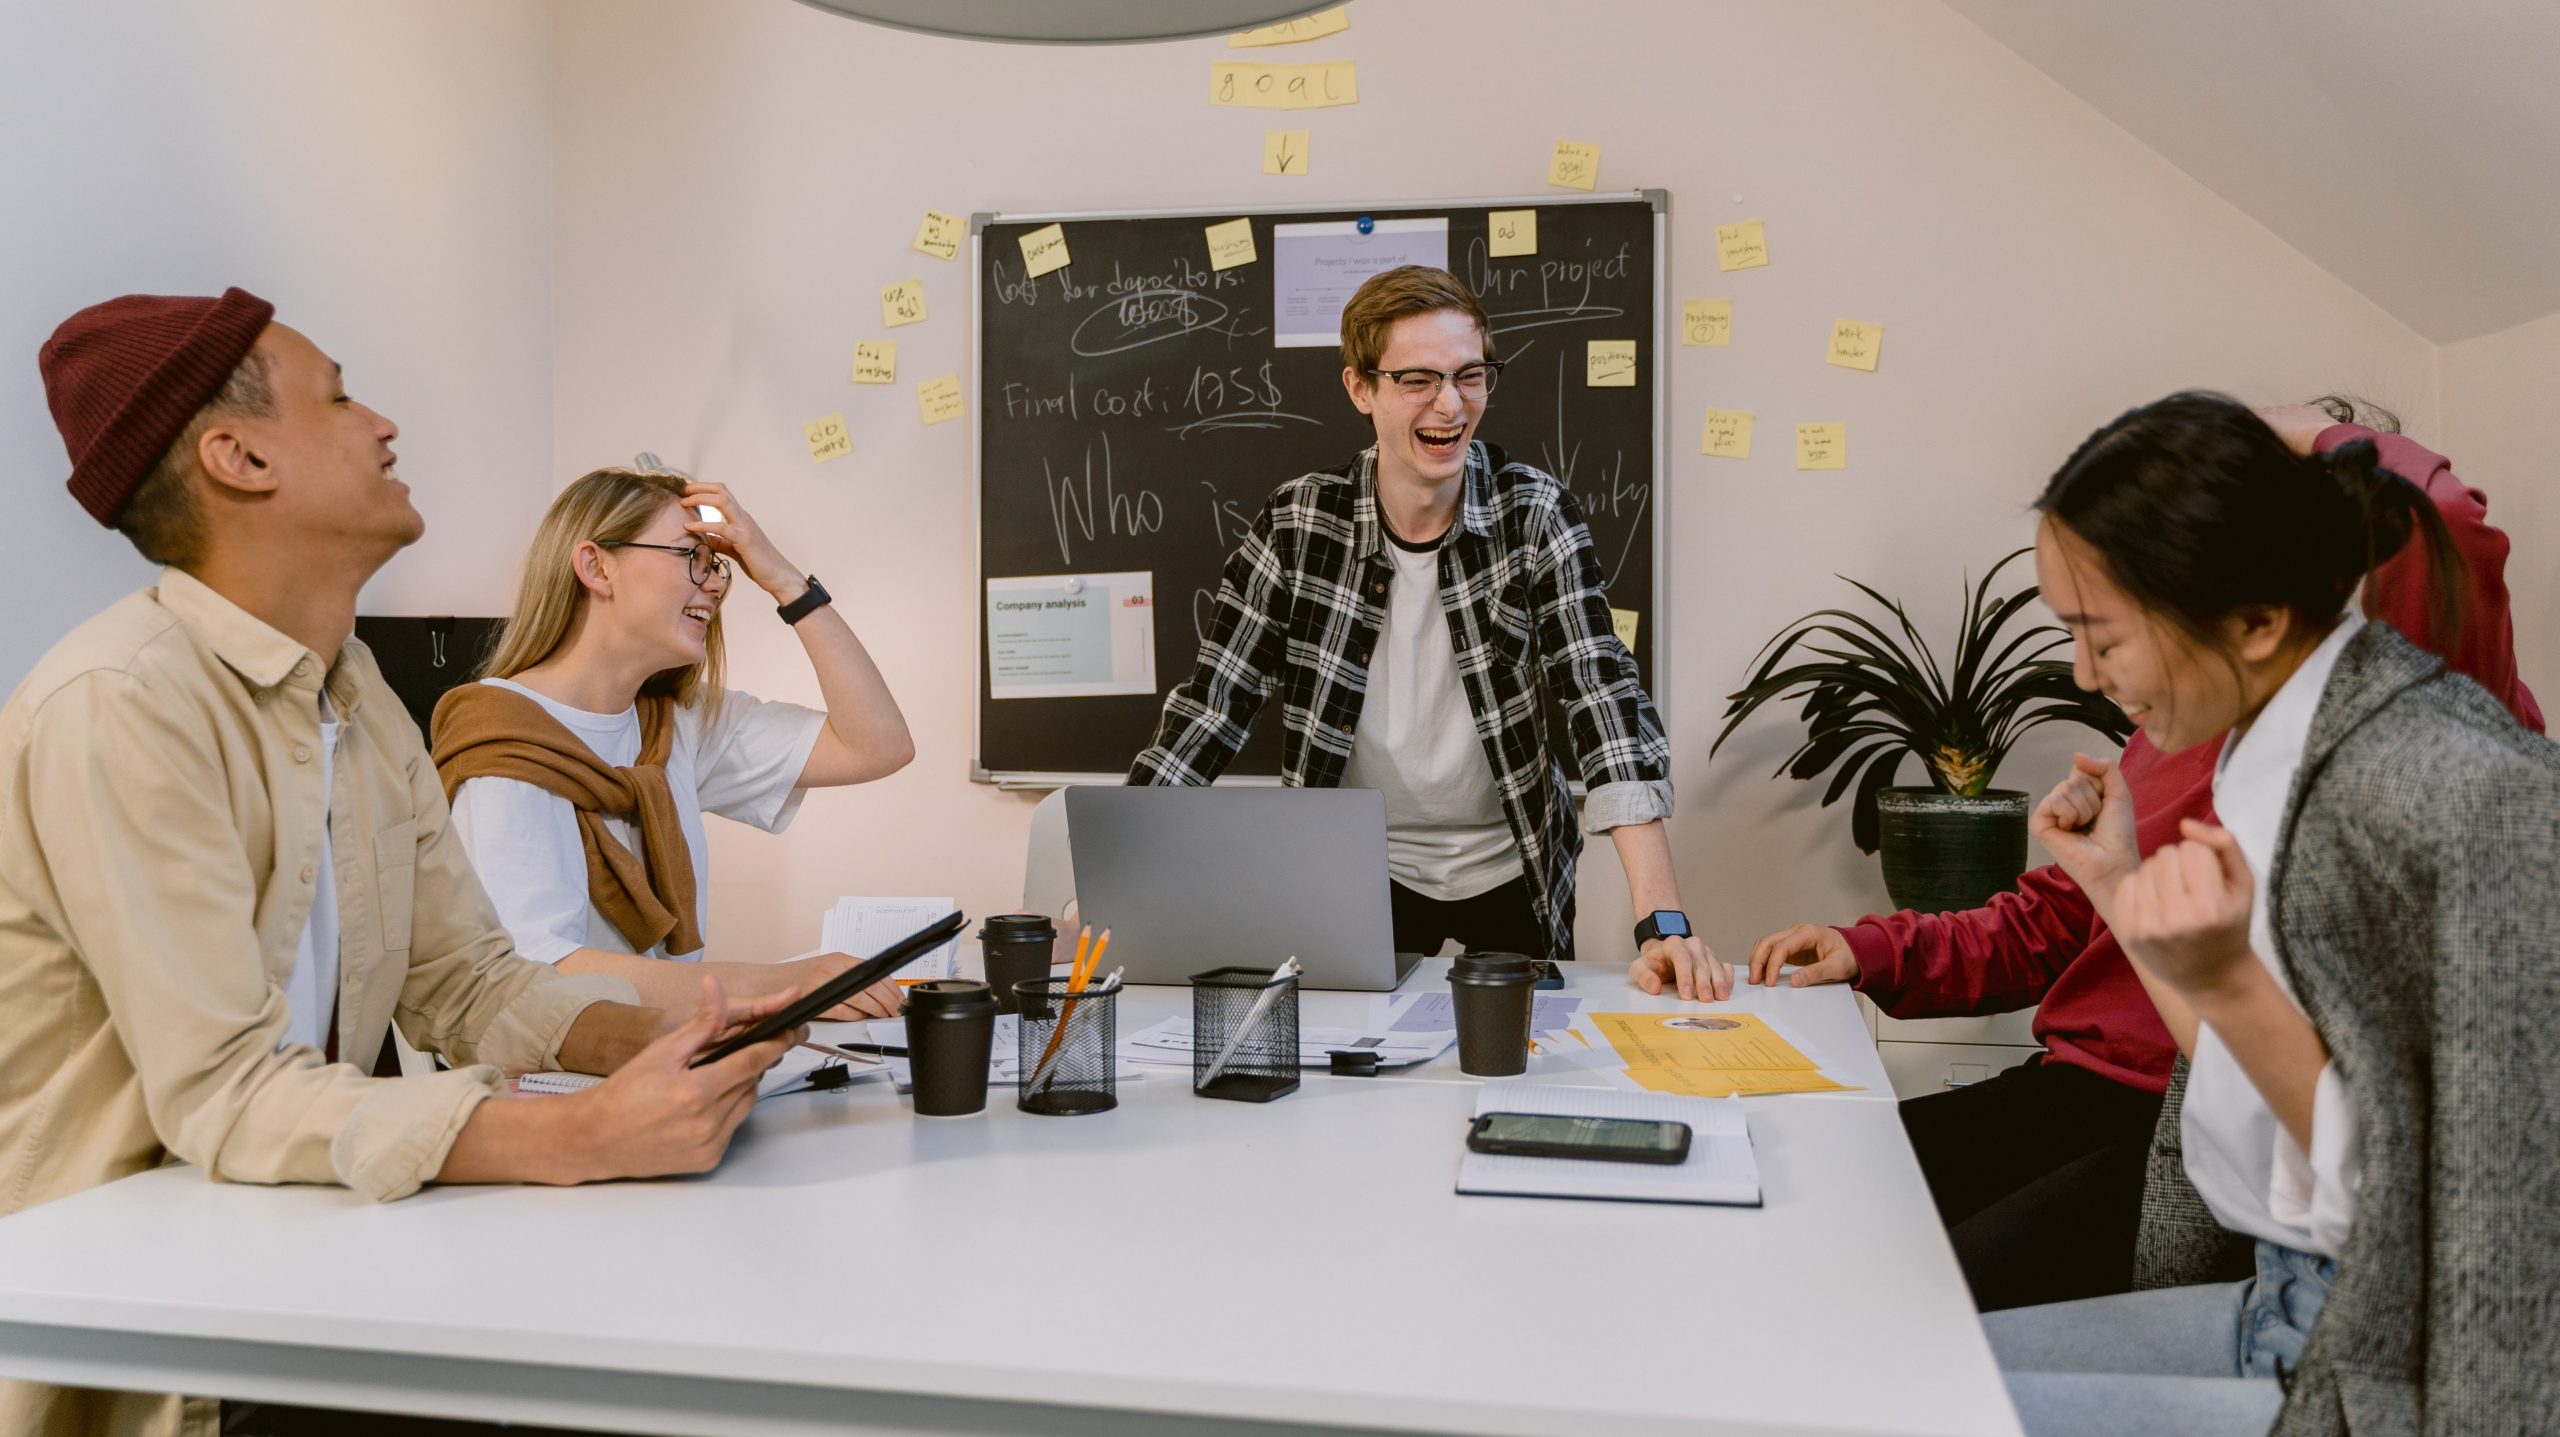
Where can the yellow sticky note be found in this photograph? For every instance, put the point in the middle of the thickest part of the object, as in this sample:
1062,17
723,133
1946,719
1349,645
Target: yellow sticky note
1284,152
1292,32
1855,345
1610,364
828,439
1742,246
940,234
902,303
1623,622
1043,250
1513,232
875,361
1575,166
1231,244
1706,321
1728,434
1284,87
940,399
1822,446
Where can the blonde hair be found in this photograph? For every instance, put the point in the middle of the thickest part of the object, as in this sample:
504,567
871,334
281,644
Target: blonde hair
606,506
1400,293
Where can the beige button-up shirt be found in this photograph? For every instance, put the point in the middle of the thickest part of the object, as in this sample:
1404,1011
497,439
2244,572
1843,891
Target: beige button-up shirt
161,813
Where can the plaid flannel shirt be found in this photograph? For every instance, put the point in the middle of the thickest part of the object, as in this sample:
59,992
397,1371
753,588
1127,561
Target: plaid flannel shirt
1299,610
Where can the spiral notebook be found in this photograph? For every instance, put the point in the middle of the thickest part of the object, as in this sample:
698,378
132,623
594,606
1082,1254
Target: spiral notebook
1720,1170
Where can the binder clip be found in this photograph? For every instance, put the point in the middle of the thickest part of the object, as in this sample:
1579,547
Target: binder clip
1354,1062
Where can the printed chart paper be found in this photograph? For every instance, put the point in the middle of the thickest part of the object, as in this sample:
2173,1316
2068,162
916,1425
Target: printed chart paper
1064,636
1316,267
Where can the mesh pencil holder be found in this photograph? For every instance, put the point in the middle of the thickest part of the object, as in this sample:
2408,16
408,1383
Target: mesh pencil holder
1265,1062
1068,1048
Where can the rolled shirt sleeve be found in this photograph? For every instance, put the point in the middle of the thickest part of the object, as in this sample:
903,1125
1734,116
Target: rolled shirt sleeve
1625,803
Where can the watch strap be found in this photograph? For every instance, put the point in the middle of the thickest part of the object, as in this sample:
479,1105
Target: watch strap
811,600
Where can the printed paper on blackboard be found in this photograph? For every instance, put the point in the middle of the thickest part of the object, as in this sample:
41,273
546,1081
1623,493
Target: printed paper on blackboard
1062,636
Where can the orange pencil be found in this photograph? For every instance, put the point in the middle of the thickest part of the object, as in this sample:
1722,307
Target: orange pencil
1076,979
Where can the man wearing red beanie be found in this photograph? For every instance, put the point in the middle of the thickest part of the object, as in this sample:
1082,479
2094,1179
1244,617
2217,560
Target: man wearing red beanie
226,864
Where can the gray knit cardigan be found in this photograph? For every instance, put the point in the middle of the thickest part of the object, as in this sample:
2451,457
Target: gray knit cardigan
2416,907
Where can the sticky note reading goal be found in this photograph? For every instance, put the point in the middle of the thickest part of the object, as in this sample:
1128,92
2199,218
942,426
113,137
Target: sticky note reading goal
1231,244
1284,152
1043,250
1822,446
1623,622
1706,321
1575,166
1610,364
1742,246
875,361
1728,434
940,235
1512,232
1855,345
1283,87
828,439
940,399
902,303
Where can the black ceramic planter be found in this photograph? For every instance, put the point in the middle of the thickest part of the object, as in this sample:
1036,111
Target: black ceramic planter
1946,852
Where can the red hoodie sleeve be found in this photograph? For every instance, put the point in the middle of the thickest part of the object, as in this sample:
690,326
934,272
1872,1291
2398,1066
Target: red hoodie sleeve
2484,647
1992,959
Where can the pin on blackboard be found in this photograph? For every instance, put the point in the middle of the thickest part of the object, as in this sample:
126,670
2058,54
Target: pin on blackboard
1367,225
1074,585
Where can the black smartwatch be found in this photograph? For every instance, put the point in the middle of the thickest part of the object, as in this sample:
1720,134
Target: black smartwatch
1661,923
811,600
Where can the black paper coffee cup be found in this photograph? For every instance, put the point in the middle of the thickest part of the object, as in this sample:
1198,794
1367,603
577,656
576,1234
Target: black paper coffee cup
951,1029
1491,993
1018,947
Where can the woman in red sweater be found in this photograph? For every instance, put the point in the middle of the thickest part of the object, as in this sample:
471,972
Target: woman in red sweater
2038,1172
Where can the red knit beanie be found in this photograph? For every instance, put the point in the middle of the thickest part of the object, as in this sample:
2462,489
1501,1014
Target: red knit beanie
124,378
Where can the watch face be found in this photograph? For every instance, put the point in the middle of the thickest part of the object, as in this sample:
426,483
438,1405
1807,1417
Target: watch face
1671,925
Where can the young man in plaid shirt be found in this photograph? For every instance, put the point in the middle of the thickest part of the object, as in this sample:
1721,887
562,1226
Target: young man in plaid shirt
1407,608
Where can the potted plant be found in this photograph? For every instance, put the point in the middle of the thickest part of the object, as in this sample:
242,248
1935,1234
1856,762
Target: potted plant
1870,702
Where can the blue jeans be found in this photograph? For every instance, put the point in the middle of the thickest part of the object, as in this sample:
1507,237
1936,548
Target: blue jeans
2198,1360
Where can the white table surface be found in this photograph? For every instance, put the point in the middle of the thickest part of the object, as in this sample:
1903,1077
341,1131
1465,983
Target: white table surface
1178,1265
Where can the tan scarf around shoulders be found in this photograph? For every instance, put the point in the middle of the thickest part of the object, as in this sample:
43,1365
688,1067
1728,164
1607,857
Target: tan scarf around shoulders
485,731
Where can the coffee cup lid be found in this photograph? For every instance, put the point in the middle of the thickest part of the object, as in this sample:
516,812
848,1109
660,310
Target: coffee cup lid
1018,927
1491,964
943,995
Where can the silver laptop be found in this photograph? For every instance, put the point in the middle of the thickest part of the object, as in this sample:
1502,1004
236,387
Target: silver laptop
1190,879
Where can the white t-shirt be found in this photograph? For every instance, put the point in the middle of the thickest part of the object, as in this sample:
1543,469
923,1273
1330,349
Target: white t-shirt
2252,1175
1417,746
524,841
311,990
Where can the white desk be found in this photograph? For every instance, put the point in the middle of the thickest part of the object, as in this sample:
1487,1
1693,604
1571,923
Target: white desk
1179,1265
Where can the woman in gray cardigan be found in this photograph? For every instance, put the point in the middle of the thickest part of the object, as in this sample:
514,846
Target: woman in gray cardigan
2358,964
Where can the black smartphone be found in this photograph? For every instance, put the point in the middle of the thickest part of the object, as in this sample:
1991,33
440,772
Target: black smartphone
1613,1140
844,985
1546,973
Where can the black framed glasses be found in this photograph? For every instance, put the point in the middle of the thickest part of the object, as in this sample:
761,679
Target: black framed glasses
1421,386
701,561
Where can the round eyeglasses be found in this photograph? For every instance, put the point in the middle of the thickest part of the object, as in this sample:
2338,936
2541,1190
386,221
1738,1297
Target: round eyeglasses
701,561
1421,386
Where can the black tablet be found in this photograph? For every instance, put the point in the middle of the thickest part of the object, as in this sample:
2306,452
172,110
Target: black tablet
844,985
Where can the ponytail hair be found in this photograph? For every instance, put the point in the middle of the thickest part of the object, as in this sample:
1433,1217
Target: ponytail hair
2199,510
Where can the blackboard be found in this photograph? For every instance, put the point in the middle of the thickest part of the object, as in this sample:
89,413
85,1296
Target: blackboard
421,658
1134,414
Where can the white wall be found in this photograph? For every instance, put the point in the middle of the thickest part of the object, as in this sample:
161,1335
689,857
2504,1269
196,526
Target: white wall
382,172
735,180
2500,393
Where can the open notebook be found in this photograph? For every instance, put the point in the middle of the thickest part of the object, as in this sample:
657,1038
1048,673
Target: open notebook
1720,1167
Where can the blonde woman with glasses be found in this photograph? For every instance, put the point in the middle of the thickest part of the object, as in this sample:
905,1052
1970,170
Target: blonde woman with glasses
582,762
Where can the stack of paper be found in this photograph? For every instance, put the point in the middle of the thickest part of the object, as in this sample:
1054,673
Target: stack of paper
790,1072
1720,1167
864,926
1710,1054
